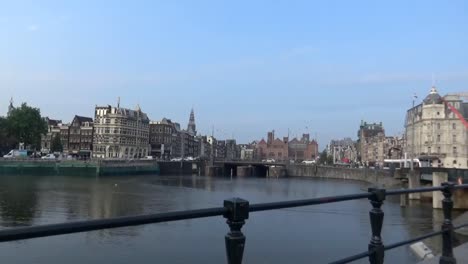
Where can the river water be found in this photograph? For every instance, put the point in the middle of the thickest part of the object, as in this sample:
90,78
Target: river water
314,234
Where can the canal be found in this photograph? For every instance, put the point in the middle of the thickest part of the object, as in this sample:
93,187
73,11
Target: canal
315,234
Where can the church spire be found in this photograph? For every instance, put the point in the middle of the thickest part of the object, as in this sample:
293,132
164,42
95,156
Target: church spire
10,107
192,128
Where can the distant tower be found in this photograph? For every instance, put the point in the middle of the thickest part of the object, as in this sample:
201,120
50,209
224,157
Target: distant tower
192,128
10,107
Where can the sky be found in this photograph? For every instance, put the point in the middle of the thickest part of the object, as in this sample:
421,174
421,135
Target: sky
246,67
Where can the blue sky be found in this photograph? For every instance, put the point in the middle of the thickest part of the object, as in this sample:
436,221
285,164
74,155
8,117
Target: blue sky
245,66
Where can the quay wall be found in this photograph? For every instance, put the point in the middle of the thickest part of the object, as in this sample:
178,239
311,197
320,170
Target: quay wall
78,168
381,178
172,168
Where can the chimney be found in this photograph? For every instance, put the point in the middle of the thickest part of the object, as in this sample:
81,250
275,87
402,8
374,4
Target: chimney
271,137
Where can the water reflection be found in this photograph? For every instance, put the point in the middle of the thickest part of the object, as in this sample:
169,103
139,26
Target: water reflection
18,201
321,233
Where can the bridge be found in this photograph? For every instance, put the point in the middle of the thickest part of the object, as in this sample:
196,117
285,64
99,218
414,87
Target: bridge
248,168
237,211
426,173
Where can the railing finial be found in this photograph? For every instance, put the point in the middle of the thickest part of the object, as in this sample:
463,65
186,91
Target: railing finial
237,213
376,218
447,226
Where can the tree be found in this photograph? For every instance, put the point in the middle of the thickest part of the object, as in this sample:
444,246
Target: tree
56,144
7,142
325,158
26,125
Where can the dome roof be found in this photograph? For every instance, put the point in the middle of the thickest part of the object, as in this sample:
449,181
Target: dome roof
433,97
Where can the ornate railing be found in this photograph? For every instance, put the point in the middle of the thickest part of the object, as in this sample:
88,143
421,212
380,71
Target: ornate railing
237,211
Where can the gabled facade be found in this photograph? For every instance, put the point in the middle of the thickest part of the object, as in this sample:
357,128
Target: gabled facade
276,149
80,138
53,129
165,139
303,149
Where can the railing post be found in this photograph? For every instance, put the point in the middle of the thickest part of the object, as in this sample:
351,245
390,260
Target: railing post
237,213
376,219
447,226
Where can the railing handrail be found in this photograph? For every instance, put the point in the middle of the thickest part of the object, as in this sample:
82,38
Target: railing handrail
237,211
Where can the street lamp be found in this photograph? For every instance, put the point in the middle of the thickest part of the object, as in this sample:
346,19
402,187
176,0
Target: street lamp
412,134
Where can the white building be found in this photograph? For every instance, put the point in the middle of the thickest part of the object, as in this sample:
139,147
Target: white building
434,132
120,133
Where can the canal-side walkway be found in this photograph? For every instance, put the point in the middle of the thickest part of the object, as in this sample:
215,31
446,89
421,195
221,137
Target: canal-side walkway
461,254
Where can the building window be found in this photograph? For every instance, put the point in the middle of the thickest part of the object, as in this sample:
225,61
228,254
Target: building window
438,150
438,138
438,113
454,126
438,125
454,138
429,150
454,150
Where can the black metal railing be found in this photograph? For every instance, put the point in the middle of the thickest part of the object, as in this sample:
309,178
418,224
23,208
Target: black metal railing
236,211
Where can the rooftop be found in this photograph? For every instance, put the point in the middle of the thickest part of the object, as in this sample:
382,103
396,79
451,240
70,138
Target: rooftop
433,97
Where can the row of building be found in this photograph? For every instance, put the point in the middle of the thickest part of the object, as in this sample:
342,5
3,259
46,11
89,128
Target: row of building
121,133
117,132
436,133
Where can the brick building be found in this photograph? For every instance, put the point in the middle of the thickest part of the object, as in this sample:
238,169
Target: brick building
273,148
370,136
165,139
80,137
303,149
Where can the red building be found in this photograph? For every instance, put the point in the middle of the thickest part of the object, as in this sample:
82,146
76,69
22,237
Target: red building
276,149
303,149
280,150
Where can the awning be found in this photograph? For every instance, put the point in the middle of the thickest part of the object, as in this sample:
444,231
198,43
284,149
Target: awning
428,157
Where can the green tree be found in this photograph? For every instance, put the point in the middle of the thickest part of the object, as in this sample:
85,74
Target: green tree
26,125
56,144
7,142
324,158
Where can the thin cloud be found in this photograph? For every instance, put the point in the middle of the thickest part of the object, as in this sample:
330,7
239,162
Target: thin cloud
33,27
299,52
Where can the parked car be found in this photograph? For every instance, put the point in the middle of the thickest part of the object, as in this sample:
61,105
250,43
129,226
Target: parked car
49,157
15,153
308,162
176,159
270,160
